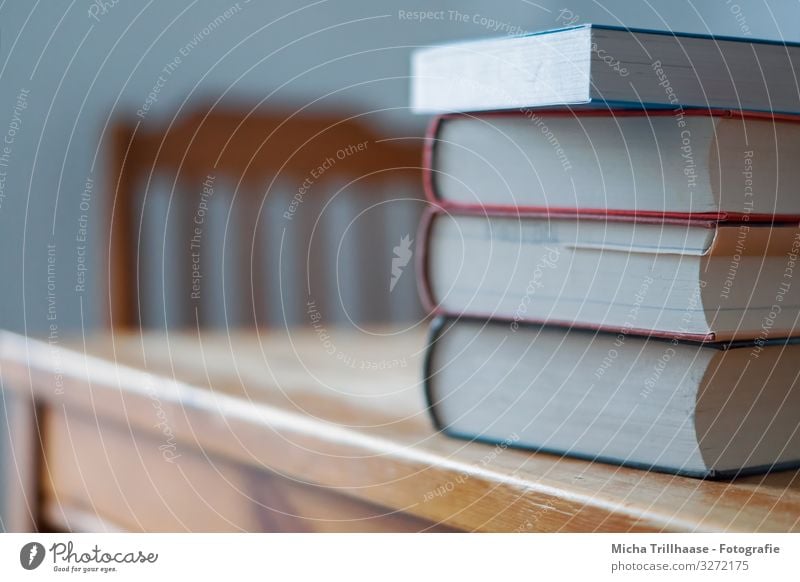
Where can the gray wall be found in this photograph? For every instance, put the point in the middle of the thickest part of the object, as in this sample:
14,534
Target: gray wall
63,73
79,71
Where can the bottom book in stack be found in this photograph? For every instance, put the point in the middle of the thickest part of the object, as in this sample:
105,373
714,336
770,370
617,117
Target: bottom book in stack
702,409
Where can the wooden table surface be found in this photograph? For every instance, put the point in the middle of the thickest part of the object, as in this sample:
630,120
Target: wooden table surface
313,430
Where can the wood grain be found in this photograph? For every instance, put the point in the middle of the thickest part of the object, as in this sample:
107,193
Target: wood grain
286,404
103,475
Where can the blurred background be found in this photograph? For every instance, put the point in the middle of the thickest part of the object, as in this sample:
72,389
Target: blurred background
222,164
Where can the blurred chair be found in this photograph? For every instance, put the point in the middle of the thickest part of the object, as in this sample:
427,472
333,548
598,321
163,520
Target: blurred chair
237,217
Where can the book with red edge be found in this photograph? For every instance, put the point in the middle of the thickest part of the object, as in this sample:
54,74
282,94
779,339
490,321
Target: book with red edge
695,279
720,165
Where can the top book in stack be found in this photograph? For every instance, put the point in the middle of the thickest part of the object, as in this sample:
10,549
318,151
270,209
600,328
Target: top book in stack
591,64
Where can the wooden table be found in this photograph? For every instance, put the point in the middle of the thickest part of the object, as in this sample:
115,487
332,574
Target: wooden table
315,430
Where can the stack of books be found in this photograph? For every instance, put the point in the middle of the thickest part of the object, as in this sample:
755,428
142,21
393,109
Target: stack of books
613,249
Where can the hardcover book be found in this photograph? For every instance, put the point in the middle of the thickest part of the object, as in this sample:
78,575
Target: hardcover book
704,280
592,63
712,164
706,410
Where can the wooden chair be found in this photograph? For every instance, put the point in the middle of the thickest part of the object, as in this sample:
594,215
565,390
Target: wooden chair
263,155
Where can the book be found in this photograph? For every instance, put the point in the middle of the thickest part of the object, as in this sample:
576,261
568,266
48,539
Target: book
704,280
705,410
714,164
605,64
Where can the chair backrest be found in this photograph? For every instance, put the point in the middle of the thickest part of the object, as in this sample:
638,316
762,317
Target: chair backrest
234,216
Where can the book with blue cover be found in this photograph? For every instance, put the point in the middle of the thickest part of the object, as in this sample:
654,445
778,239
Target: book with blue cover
604,65
697,409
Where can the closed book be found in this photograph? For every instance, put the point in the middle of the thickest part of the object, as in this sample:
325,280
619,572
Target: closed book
704,410
702,280
724,165
590,63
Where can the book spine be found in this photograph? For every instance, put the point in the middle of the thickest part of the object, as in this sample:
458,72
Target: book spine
434,331
421,263
428,159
